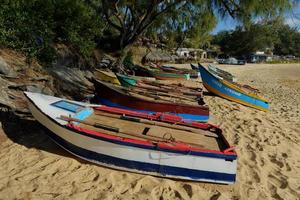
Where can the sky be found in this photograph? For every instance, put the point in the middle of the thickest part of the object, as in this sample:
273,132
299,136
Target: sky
292,18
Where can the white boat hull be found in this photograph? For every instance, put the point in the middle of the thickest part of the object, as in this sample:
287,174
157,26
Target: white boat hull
125,156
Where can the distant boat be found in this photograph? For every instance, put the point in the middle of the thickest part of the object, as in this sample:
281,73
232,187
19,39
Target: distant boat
221,73
194,67
171,69
143,101
108,137
161,75
107,76
130,80
232,91
231,61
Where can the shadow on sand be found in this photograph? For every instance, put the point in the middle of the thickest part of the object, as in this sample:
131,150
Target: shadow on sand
31,134
205,93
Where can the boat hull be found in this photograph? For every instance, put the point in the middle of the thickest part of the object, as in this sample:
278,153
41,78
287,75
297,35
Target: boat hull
111,97
107,102
169,76
126,81
107,77
228,91
140,158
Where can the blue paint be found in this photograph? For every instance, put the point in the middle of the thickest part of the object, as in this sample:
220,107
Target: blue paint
201,118
214,82
83,114
141,166
69,106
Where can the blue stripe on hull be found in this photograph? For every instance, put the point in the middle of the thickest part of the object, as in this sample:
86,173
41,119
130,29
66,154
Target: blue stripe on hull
217,85
201,118
141,166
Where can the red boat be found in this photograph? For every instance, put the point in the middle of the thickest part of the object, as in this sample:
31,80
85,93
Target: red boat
120,97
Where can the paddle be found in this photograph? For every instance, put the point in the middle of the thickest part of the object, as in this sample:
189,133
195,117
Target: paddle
174,87
162,94
155,123
166,90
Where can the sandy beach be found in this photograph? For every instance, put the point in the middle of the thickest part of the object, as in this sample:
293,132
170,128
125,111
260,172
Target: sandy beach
32,166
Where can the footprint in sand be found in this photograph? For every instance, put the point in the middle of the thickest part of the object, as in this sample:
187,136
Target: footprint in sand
275,161
273,192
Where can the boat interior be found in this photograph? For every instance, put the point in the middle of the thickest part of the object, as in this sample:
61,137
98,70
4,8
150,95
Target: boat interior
157,96
149,130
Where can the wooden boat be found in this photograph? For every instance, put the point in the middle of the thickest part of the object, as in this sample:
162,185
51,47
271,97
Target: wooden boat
130,81
221,73
106,76
171,69
232,91
161,75
105,138
194,67
121,97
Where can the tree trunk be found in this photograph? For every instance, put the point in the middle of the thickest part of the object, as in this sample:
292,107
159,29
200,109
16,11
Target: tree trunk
118,65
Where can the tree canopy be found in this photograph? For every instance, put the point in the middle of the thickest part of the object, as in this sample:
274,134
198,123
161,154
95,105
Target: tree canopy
271,35
33,26
193,19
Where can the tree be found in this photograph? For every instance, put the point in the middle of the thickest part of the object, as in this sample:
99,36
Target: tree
267,34
288,41
132,18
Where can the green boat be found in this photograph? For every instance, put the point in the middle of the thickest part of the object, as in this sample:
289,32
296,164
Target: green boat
133,81
128,80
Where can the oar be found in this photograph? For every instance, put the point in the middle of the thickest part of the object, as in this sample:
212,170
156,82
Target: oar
175,88
155,123
148,94
117,130
165,90
162,94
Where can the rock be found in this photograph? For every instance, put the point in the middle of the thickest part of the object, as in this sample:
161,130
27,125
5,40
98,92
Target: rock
43,78
104,63
12,100
6,70
72,82
35,89
4,97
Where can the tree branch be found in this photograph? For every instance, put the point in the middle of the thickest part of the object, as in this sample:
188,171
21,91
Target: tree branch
107,17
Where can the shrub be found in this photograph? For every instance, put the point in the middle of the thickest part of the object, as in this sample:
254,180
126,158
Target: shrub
34,26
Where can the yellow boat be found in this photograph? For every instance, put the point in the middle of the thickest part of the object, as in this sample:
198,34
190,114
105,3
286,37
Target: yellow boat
107,76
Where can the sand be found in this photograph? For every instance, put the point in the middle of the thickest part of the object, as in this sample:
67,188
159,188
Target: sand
268,147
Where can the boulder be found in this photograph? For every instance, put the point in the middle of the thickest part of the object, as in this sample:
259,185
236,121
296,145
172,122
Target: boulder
5,69
72,82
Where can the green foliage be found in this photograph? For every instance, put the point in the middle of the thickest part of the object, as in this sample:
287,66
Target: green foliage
179,22
271,35
288,41
189,26
34,26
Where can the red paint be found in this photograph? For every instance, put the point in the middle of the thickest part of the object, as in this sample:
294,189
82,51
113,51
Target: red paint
160,117
116,96
176,146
